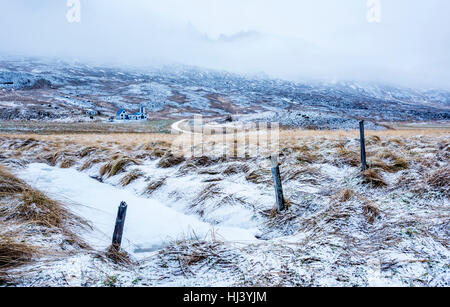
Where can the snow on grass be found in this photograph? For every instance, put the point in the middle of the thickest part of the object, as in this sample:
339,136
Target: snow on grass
150,223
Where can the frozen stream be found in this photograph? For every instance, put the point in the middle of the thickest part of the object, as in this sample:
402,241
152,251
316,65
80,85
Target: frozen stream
149,223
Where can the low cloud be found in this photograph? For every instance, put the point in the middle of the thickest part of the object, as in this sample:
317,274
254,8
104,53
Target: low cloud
298,40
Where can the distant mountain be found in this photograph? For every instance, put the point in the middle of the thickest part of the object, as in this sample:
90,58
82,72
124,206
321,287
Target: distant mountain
43,89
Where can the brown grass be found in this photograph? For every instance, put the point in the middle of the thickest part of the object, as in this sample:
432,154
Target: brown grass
90,162
10,184
130,177
66,163
153,186
236,168
345,195
26,209
373,177
14,253
440,180
38,209
259,176
348,157
170,160
370,212
119,256
117,166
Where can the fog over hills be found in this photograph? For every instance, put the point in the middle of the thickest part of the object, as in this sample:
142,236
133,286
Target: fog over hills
48,90
320,40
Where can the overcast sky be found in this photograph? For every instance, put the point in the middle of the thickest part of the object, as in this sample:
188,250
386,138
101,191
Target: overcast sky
292,39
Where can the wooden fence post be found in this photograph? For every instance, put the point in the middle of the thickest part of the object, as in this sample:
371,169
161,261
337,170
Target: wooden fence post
363,146
120,223
277,183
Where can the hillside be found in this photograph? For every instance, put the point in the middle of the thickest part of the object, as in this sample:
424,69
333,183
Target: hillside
36,89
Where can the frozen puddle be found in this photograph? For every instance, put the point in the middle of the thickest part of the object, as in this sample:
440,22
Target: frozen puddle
149,223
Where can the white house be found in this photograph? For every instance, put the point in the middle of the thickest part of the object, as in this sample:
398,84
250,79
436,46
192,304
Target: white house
123,115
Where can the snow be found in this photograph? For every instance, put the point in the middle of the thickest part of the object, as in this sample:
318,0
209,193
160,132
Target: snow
150,223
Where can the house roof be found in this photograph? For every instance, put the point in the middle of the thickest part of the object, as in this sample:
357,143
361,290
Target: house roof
120,111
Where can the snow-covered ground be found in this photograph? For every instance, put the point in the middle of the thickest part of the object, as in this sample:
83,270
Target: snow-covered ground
338,231
150,224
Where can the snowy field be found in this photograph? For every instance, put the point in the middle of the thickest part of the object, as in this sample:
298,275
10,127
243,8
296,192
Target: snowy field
209,221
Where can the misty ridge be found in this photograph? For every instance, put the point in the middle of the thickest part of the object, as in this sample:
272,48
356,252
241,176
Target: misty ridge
293,40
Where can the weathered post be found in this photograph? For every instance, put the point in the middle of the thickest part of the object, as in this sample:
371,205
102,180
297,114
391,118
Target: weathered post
363,145
277,182
120,223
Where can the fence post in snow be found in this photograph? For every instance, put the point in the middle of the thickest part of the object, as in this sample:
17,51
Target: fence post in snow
277,182
363,146
120,223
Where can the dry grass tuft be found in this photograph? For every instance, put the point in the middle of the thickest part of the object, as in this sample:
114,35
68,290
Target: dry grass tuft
153,186
440,180
105,168
373,177
195,252
348,157
66,163
13,253
170,160
40,210
370,212
236,168
10,184
130,177
259,176
305,154
86,151
89,163
119,256
345,195
117,166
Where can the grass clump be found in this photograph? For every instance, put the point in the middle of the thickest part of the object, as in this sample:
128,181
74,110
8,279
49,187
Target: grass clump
14,253
370,212
259,176
345,195
119,256
130,177
37,208
169,160
373,177
10,184
348,157
440,180
155,185
117,166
